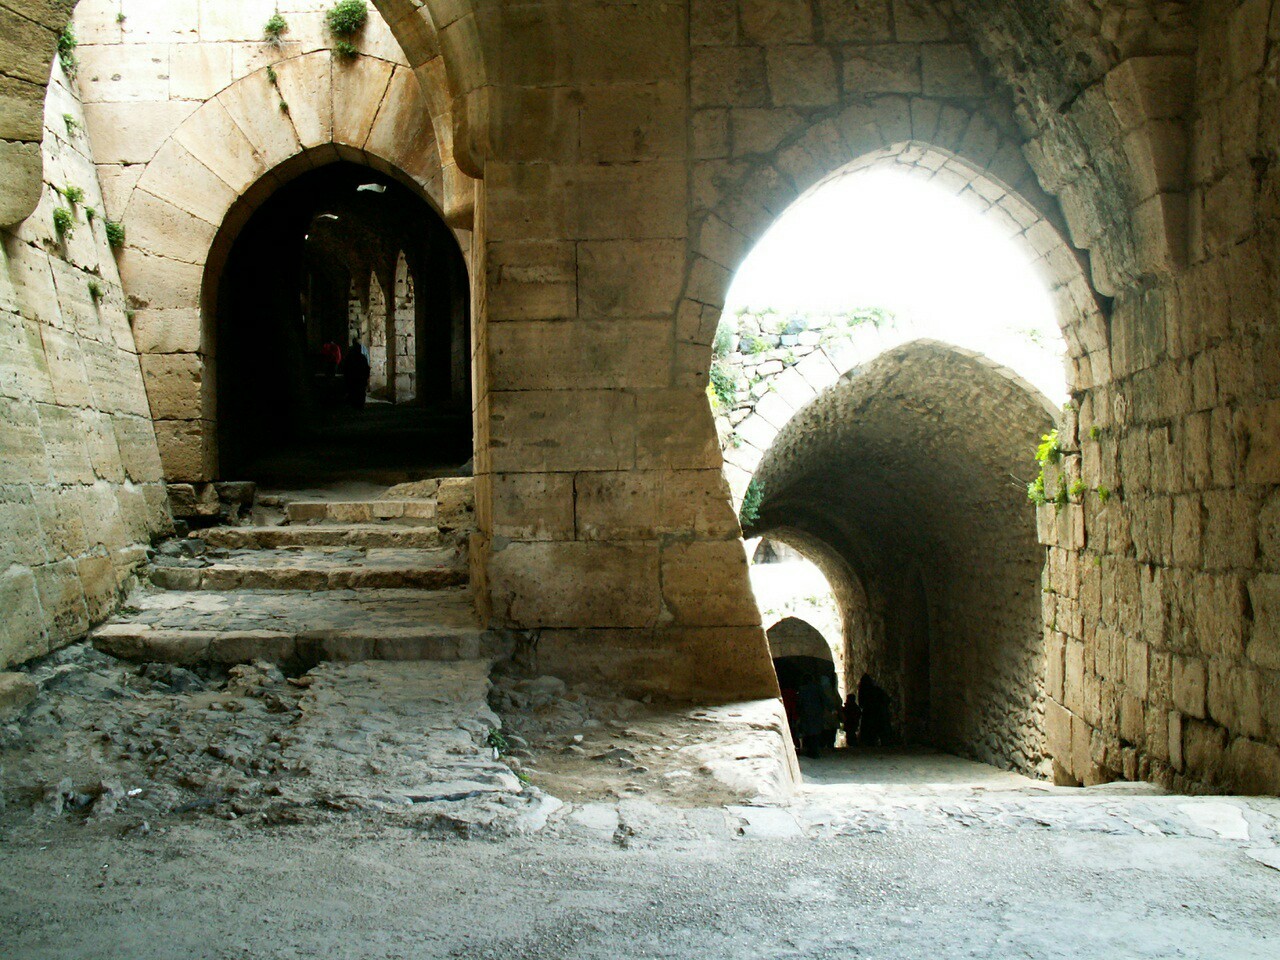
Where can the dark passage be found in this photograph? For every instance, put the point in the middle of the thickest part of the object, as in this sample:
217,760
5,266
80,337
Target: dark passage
341,253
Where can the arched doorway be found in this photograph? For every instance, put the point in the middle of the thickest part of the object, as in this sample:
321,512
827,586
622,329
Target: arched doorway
323,266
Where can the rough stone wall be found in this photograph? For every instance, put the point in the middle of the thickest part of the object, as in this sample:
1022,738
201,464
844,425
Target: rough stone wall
28,41
406,315
80,483
906,469
1165,660
376,338
776,368
190,135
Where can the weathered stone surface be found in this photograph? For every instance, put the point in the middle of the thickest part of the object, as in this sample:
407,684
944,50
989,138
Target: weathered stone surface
16,692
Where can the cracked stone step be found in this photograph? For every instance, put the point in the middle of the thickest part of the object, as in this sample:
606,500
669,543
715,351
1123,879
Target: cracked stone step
406,512
315,569
363,535
292,627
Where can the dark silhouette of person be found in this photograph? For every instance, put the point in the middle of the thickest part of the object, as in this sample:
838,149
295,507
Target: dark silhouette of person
874,700
355,374
813,717
852,716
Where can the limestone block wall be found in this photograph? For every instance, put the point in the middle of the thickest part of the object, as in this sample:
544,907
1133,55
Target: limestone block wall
376,337
195,118
406,351
28,42
81,494
1164,660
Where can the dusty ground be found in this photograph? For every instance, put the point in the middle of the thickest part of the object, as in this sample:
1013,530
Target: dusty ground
359,812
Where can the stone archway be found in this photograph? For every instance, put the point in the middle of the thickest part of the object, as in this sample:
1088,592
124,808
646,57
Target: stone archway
912,473
209,176
425,32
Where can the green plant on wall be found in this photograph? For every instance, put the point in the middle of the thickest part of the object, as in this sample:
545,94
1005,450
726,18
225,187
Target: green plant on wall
723,386
72,124
67,44
275,28
73,194
346,49
63,222
115,233
723,344
1048,452
751,501
95,291
346,17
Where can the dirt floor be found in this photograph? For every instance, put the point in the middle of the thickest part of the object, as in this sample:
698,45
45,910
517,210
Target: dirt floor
335,815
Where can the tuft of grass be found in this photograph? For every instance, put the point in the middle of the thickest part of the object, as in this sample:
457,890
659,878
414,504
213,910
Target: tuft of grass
346,49
276,27
1104,494
115,233
95,291
284,108
73,195
121,18
63,222
73,125
346,17
272,77
90,214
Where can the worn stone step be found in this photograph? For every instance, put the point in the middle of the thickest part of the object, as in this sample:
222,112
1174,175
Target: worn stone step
363,535
406,512
313,569
140,643
290,627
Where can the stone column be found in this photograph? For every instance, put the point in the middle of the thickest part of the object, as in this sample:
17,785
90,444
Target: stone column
606,523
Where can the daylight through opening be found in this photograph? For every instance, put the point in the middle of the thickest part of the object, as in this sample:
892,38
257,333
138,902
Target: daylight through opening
881,381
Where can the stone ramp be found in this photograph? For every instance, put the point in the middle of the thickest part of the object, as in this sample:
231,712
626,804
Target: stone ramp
296,627
107,741
362,535
414,737
313,568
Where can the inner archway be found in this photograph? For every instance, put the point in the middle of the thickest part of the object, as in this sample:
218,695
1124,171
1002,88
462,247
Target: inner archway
869,415
342,333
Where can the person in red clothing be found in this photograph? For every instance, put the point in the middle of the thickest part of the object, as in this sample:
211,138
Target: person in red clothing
331,355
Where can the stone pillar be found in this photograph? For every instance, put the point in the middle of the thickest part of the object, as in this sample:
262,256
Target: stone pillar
606,523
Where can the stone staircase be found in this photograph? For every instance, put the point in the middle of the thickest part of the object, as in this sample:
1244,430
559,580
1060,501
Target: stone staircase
335,580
